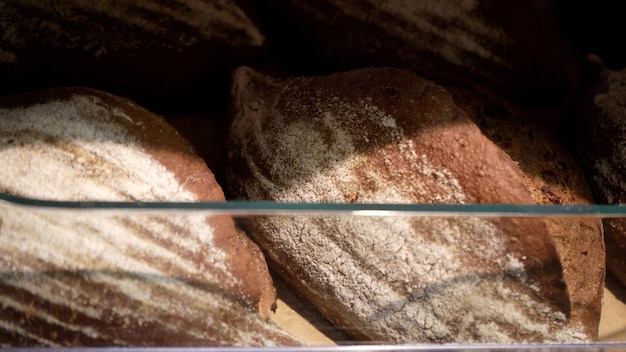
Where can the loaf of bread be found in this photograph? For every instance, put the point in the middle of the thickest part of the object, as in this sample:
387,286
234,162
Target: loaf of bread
389,136
164,55
596,130
518,46
552,176
96,278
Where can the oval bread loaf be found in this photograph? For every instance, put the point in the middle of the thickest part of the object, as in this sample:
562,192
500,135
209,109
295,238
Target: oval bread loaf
552,176
162,54
72,278
518,47
389,136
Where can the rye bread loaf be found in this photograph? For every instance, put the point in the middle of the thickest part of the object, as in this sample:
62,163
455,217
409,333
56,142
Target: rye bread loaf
389,136
552,176
76,278
596,130
520,47
162,54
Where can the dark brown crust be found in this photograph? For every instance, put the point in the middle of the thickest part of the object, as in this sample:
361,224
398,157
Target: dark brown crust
553,176
516,47
595,129
162,54
206,131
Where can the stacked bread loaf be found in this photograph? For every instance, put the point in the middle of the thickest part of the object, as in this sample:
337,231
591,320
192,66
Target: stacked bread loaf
516,46
413,102
163,55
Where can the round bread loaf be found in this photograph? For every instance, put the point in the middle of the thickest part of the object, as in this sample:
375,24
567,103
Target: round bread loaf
164,55
388,136
596,130
80,278
518,47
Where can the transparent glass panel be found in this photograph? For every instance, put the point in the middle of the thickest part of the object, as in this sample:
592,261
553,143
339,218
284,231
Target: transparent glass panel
347,276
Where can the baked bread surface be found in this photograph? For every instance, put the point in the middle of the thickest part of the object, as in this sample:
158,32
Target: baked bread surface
389,136
80,278
553,176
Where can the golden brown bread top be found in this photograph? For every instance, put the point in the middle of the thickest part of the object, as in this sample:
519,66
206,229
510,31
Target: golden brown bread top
184,279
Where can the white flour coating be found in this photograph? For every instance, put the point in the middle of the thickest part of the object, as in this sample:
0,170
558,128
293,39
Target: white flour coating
464,30
404,279
109,242
345,163
159,299
75,150
122,170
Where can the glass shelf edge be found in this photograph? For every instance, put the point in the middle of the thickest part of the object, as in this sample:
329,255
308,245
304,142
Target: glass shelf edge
235,207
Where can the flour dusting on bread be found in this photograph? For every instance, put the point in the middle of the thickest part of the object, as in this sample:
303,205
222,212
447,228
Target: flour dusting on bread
90,278
386,136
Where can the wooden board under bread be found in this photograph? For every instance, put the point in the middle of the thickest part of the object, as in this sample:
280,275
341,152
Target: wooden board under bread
613,322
